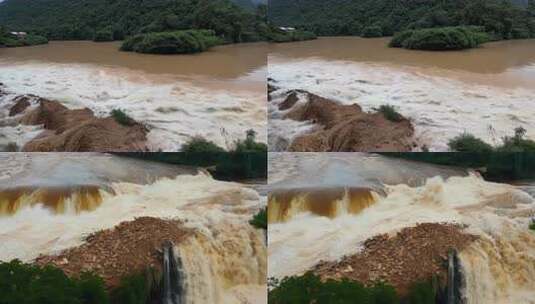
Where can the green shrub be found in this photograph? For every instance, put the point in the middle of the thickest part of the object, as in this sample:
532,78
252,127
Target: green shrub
138,288
532,225
422,293
121,118
9,40
250,144
308,288
444,38
103,35
468,143
31,284
178,42
372,31
517,143
260,219
390,113
198,144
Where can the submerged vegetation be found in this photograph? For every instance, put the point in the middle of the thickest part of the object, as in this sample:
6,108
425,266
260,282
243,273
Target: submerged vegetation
371,18
445,38
122,118
178,42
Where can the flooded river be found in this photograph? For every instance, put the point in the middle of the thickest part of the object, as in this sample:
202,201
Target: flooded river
218,94
486,91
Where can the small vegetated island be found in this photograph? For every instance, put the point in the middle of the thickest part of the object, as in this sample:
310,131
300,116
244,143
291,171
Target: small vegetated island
155,26
428,25
18,39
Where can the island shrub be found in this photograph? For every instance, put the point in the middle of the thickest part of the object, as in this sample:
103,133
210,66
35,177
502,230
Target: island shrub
103,35
445,38
467,142
309,288
9,40
372,31
390,113
178,42
122,118
199,144
517,143
250,144
32,284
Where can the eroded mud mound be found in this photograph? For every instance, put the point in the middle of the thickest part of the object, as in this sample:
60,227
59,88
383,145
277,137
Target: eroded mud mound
412,255
345,128
125,249
78,130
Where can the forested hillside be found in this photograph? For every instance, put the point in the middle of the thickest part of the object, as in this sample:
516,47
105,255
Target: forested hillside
501,19
83,19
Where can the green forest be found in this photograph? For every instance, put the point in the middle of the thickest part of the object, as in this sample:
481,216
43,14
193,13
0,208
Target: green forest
500,19
9,40
104,20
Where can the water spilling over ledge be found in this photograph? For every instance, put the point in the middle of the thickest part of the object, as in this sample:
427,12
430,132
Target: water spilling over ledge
61,200
329,202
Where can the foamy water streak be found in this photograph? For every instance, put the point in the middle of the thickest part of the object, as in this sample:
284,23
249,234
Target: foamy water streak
498,267
175,110
440,106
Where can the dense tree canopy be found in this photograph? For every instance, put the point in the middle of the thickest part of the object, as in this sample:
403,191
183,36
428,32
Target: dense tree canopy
96,19
502,19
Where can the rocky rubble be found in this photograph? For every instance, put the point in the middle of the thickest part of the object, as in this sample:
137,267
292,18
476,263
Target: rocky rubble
75,130
412,255
128,248
344,128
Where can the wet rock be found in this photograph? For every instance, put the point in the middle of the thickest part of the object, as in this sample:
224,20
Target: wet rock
21,104
79,130
347,128
289,102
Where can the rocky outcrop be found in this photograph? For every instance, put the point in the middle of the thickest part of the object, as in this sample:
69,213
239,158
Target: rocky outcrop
21,104
346,128
79,130
128,248
412,255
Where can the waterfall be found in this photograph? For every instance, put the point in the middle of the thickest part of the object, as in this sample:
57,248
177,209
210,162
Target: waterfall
173,276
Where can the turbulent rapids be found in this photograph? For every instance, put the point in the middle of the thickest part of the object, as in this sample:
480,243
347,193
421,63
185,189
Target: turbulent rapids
498,266
218,256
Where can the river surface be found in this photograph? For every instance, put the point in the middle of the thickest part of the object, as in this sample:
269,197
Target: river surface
50,202
218,94
352,197
486,91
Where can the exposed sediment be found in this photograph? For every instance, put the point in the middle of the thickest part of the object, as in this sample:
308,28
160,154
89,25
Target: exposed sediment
412,255
344,128
127,248
79,130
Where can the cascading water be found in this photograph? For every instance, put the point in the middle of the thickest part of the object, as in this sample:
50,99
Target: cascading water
498,267
223,261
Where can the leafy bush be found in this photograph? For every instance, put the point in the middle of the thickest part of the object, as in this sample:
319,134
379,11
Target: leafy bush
468,143
250,144
422,293
178,42
445,38
122,118
103,35
260,219
517,143
308,288
30,284
138,288
372,31
198,144
9,40
390,113
532,225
